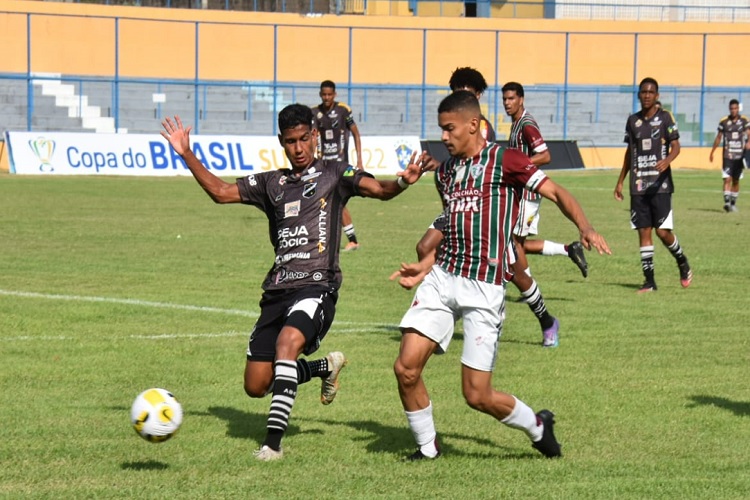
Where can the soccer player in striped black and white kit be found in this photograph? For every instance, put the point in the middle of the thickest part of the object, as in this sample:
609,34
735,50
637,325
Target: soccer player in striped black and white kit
303,205
478,185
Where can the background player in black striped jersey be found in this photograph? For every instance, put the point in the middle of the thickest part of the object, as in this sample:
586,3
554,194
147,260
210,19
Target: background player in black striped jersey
653,144
335,122
733,130
303,206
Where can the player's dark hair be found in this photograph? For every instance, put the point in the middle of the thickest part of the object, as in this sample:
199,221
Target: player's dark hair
327,84
733,102
646,80
459,101
293,115
467,77
514,87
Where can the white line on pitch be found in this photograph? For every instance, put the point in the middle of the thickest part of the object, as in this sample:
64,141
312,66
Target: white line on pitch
132,302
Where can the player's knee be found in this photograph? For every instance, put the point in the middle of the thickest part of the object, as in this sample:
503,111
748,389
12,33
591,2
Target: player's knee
405,375
255,390
476,400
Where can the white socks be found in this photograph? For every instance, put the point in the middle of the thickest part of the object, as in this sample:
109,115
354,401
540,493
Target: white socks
423,428
522,417
552,248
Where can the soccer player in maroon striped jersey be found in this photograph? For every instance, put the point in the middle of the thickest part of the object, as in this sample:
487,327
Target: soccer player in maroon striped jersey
478,185
471,80
526,136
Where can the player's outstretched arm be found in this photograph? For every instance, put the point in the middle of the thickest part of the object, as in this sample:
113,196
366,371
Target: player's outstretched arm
179,138
385,190
570,207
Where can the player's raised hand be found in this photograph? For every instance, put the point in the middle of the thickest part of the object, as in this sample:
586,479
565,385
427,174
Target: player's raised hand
409,275
177,136
591,239
414,170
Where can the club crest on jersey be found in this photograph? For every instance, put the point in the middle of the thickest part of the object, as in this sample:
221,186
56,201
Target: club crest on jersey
309,190
477,170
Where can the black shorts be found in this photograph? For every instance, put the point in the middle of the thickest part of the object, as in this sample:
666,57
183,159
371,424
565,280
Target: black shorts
651,210
732,168
310,309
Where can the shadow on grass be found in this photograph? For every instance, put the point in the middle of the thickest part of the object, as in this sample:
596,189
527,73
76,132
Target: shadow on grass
399,441
245,425
379,438
144,465
739,408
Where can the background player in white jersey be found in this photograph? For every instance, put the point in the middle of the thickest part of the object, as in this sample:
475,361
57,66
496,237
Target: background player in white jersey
335,122
303,205
733,131
477,186
653,144
526,136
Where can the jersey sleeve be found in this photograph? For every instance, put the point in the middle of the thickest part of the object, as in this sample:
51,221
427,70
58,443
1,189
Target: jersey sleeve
721,125
673,133
348,117
253,188
628,132
349,178
518,171
440,221
533,137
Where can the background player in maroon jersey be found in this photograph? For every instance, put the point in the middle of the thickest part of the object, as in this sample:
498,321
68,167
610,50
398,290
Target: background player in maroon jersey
303,205
477,185
335,122
653,144
733,130
526,136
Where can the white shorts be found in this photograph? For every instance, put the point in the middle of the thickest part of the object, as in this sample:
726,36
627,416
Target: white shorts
442,298
528,218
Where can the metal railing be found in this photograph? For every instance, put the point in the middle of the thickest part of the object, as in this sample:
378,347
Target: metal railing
637,10
589,114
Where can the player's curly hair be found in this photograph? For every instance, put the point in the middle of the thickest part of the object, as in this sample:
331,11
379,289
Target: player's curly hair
467,77
293,115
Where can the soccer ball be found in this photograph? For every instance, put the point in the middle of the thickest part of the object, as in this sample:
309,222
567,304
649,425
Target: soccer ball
156,415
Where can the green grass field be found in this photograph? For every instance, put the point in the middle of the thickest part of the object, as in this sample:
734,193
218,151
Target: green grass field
109,286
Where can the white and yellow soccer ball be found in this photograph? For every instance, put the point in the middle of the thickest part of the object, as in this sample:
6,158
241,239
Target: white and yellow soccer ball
156,415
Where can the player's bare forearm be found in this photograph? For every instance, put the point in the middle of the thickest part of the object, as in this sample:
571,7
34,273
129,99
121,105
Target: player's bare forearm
179,139
570,207
385,190
409,275
218,190
623,173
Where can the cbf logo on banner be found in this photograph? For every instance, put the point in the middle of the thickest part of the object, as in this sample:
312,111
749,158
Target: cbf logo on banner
51,153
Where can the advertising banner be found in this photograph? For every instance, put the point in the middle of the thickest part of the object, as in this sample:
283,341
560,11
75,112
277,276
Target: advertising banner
58,153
